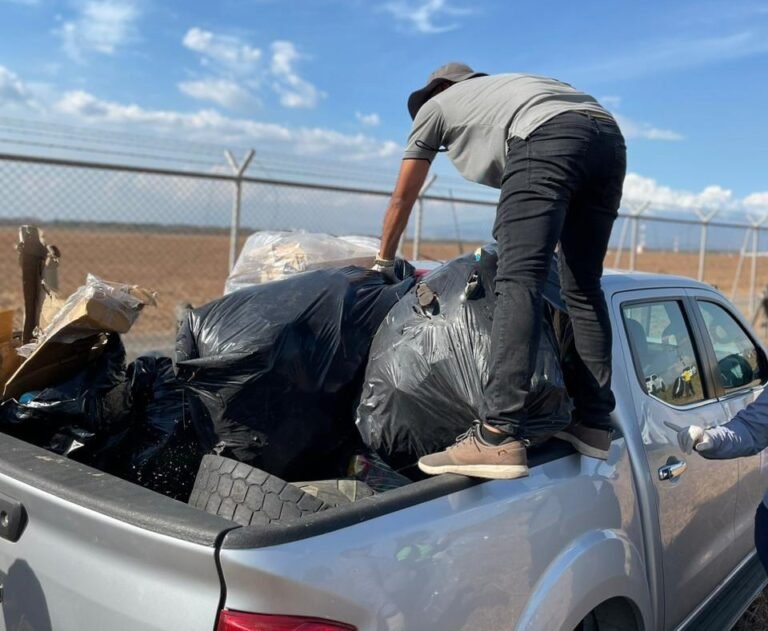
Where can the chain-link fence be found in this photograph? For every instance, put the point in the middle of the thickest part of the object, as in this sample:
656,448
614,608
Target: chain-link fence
174,231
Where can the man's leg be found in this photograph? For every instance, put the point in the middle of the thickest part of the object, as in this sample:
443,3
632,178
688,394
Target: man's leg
540,177
761,534
584,243
529,220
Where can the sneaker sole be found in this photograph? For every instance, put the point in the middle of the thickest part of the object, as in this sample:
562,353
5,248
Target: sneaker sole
488,471
582,447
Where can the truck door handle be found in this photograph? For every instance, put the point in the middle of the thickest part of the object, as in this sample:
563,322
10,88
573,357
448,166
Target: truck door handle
13,518
673,470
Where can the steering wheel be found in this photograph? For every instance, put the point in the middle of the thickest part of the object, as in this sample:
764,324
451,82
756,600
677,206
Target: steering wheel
735,371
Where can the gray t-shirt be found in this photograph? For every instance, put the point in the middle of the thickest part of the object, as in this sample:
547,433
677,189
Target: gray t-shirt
474,119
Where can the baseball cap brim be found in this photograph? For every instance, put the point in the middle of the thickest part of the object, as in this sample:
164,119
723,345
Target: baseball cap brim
419,97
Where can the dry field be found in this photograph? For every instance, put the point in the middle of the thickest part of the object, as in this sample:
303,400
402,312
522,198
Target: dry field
193,267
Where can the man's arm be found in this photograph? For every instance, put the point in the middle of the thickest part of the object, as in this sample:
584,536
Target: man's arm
746,434
409,183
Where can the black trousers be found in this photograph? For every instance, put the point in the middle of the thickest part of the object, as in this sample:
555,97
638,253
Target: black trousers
761,534
562,184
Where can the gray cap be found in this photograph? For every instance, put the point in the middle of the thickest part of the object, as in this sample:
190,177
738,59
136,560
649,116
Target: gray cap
453,72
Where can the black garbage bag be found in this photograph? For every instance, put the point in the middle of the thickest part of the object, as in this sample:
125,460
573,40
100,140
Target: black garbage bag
130,422
429,362
95,400
160,451
276,368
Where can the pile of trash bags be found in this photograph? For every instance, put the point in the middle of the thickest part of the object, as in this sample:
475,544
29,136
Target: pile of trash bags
128,421
278,367
429,362
311,366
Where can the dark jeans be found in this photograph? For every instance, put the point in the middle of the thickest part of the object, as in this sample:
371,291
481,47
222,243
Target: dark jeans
761,534
562,184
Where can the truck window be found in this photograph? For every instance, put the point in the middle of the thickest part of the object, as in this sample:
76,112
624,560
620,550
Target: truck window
663,351
738,359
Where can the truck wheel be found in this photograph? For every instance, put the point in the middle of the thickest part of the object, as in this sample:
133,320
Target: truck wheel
247,495
589,623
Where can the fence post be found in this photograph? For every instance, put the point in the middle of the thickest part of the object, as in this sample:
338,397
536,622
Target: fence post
756,225
705,219
636,212
419,217
234,227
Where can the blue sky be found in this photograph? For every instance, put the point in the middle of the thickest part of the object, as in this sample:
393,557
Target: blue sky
327,80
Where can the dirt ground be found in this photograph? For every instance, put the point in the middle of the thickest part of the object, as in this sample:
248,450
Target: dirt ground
193,267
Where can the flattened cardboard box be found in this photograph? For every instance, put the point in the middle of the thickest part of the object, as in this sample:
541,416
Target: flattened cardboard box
77,339
9,358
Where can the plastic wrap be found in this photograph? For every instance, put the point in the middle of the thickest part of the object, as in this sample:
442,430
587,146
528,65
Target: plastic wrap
276,369
268,256
429,361
96,306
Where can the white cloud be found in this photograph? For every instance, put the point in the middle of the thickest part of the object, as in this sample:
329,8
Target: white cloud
102,26
757,201
228,51
225,92
211,126
292,89
238,72
644,189
421,15
634,129
610,102
674,54
12,90
368,120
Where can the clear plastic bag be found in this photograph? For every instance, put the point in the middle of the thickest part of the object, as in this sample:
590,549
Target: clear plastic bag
97,306
268,256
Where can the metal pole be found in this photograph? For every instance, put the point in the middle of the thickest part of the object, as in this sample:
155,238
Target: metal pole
633,251
702,250
636,213
739,265
620,248
234,228
705,219
459,243
753,271
418,219
417,229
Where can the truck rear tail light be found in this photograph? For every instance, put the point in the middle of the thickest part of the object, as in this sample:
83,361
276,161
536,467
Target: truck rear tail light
241,621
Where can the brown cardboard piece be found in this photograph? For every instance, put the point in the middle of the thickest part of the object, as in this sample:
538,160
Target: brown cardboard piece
9,358
76,334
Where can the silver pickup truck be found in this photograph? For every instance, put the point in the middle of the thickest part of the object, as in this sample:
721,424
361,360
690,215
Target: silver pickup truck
650,539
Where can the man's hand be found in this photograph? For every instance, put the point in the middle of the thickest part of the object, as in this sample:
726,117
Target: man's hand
387,268
694,437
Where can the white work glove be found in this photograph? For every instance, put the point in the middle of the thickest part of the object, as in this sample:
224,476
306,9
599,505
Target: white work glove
694,437
386,267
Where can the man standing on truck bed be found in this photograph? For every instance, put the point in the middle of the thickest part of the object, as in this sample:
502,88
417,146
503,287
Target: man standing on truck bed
559,159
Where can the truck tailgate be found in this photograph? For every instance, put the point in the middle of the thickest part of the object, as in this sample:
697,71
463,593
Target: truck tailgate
94,552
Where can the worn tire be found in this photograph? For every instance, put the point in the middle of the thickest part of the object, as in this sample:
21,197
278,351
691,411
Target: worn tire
247,495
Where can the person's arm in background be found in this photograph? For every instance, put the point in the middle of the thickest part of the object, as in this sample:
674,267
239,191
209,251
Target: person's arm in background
427,135
746,434
409,183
